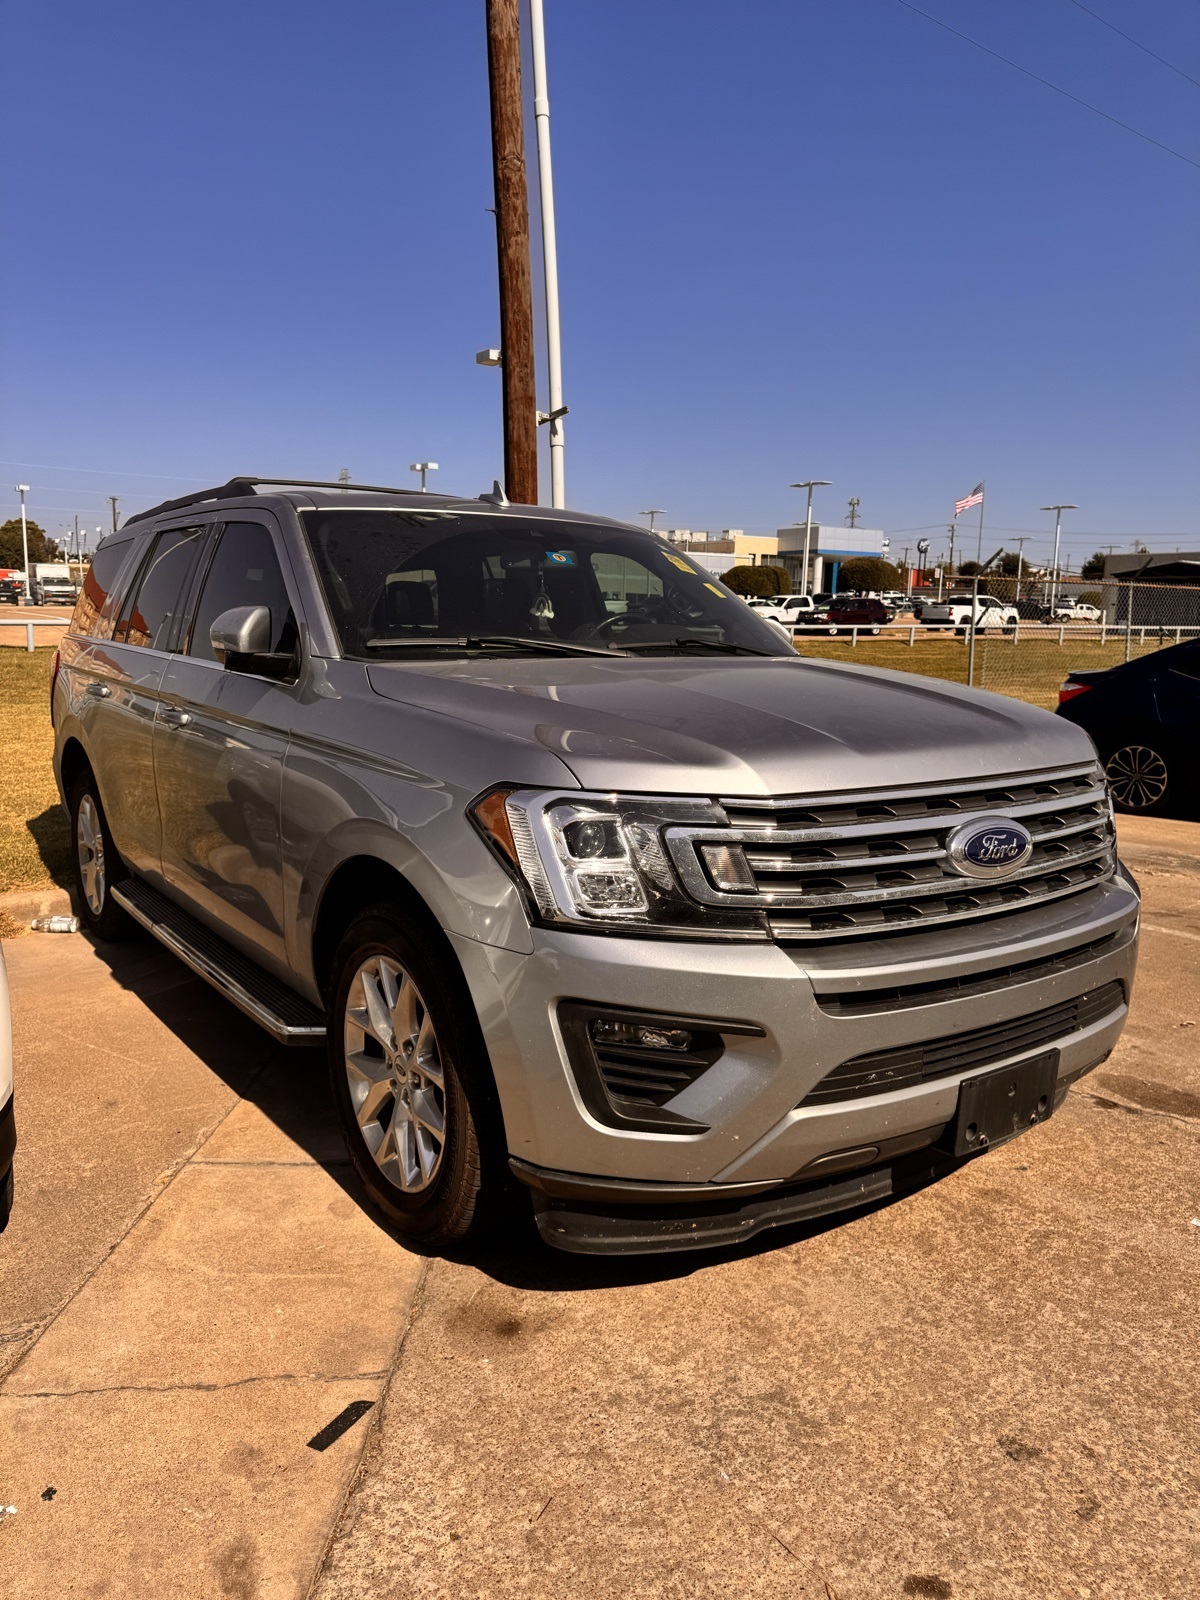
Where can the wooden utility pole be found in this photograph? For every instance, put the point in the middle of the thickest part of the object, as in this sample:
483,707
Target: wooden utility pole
512,249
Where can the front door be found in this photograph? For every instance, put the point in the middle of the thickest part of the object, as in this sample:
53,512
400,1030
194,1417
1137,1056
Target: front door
220,741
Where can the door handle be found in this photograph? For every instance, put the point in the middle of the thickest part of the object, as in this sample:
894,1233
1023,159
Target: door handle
174,718
99,691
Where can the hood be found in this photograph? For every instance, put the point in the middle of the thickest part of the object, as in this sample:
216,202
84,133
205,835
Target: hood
738,726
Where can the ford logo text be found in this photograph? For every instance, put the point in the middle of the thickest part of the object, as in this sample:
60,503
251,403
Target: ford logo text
990,848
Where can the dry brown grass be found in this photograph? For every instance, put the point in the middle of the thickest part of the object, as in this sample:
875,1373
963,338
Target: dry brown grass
33,828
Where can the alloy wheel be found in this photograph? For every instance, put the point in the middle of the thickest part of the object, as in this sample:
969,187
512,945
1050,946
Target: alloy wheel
395,1075
1137,776
89,847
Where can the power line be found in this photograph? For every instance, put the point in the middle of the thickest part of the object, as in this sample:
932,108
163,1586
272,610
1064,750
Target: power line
1137,42
100,472
1045,82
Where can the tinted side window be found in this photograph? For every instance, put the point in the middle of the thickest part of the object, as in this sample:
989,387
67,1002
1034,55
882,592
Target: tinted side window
98,584
245,571
148,616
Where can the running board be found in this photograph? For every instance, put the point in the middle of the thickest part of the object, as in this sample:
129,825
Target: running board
263,998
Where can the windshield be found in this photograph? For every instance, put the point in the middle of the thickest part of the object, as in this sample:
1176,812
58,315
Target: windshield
400,581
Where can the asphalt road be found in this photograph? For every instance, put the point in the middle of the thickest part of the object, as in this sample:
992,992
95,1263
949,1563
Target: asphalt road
986,1390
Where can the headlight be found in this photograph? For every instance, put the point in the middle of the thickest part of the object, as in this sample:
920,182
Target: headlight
598,861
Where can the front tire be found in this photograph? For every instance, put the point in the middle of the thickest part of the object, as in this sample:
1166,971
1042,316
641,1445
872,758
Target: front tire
411,1082
96,864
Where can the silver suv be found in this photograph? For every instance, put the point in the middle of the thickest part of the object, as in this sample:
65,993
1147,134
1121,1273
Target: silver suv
586,880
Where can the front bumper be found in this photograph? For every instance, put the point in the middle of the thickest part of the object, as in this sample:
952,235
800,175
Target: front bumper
754,1128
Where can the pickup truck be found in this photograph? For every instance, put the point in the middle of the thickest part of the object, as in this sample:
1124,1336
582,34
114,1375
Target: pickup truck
1073,611
12,585
790,609
639,923
955,612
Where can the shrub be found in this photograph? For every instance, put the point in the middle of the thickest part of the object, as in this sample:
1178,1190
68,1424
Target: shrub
757,581
868,572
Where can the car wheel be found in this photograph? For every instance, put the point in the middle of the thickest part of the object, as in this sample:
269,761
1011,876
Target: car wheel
874,630
1139,777
832,632
96,864
412,1083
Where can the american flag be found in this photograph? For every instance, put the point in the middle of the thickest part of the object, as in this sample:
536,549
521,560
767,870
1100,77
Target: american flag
973,499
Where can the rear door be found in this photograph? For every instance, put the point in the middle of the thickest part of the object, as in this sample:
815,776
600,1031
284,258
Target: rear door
220,741
116,689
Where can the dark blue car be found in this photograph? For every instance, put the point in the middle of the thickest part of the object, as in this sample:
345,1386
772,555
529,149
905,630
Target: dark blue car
1144,719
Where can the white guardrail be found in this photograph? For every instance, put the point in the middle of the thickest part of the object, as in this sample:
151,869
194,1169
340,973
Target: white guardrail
30,623
1102,632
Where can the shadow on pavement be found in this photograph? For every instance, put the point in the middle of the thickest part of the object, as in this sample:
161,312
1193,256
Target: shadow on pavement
290,1087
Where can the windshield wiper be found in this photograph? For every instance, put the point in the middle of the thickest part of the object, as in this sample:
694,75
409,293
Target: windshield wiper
505,641
697,644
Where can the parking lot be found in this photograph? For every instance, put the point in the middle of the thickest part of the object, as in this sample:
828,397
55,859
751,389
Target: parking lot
984,1390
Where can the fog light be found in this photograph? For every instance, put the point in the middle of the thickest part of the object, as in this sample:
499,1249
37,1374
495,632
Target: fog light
641,1035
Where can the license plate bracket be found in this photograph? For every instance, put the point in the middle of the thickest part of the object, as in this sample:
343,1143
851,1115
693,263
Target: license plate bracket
998,1105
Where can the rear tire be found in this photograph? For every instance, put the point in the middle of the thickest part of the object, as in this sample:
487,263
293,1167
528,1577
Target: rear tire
1140,777
411,1082
95,864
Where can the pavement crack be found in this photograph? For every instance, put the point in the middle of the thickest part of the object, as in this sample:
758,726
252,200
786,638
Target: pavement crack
197,1388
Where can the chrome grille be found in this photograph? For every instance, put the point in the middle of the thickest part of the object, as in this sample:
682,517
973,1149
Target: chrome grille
837,866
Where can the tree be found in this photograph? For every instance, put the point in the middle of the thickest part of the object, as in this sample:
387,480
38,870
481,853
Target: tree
40,547
968,569
1093,567
868,572
757,581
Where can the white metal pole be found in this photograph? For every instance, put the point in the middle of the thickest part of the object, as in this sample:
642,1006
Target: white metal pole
807,541
21,489
541,118
1054,563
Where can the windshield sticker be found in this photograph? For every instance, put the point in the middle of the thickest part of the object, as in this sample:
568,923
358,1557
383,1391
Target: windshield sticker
561,558
715,590
677,561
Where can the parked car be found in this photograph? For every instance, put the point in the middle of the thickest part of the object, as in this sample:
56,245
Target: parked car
641,915
956,611
1073,611
1144,719
12,586
848,611
8,1127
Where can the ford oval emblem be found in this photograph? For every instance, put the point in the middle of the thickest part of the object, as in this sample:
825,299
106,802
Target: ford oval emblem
989,847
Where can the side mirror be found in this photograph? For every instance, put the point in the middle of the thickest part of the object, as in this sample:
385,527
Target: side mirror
241,631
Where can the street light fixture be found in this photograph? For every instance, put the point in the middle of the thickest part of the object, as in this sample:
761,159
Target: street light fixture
423,467
23,489
810,484
1058,511
654,511
488,358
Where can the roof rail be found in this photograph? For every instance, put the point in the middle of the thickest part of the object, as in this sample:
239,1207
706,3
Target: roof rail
244,486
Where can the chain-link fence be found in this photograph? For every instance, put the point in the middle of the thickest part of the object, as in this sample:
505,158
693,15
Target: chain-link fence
1025,646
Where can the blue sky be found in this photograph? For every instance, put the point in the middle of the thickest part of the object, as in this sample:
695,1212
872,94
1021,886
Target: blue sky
797,237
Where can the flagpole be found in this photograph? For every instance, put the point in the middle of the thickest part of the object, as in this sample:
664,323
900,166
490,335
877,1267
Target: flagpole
979,547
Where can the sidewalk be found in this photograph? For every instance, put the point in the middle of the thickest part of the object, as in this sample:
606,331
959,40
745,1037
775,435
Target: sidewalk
190,1293
985,1391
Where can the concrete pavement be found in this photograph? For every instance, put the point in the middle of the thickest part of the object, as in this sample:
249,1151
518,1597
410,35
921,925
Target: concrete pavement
984,1390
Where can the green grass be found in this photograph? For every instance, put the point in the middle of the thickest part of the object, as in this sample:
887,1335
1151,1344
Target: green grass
33,828
1030,670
